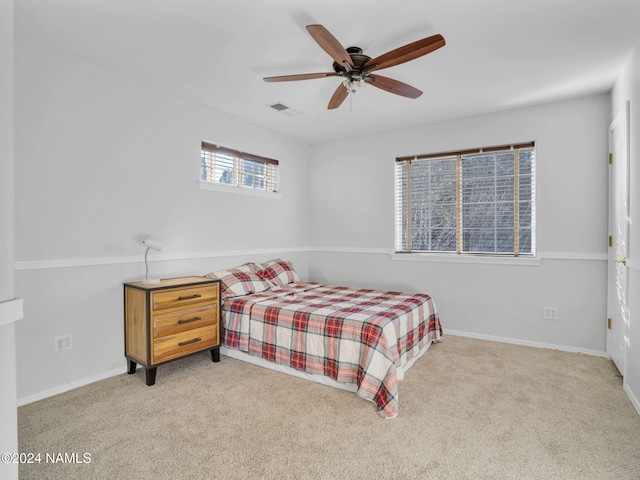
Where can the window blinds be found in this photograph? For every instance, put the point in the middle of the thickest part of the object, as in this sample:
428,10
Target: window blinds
477,201
226,166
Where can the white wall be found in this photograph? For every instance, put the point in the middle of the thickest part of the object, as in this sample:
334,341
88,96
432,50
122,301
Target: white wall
102,161
626,89
8,416
352,224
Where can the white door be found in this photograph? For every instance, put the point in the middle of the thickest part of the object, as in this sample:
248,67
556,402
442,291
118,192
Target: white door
617,298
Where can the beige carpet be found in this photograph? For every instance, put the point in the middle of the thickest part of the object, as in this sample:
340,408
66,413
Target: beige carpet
469,409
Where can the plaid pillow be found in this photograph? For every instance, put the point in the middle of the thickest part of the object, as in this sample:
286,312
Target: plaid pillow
279,272
239,281
254,267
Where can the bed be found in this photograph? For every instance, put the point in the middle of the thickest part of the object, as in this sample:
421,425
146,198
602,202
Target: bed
360,338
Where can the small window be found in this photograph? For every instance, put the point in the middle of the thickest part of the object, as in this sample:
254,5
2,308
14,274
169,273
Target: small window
232,168
477,202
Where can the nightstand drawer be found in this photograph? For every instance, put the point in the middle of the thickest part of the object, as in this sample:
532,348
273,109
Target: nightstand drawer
180,297
175,322
174,346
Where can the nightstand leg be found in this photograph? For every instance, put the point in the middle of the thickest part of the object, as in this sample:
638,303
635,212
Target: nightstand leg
132,367
215,354
151,375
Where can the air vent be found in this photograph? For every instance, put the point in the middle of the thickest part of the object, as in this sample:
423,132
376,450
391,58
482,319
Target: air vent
284,109
278,106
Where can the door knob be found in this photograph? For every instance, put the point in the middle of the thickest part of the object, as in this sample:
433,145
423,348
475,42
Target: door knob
622,261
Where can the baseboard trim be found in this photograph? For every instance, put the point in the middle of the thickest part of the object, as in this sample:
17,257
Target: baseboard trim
632,397
69,386
527,343
247,358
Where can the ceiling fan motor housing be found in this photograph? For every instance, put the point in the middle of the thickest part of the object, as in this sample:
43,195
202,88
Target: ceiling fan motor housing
359,60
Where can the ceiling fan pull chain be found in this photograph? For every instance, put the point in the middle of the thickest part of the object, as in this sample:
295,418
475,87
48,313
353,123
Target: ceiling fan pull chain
352,91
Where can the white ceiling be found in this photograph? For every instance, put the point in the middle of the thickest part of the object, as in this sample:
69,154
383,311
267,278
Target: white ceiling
500,54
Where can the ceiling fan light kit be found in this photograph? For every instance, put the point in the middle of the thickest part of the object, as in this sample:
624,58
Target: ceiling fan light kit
355,67
353,86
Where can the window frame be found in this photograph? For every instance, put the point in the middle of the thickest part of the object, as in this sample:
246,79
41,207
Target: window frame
239,158
403,207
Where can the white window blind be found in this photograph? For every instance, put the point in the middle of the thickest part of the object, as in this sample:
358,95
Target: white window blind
221,165
479,201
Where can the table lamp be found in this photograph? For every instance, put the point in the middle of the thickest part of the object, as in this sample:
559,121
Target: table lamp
151,245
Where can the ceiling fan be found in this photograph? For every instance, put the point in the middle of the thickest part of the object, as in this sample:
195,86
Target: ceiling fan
355,67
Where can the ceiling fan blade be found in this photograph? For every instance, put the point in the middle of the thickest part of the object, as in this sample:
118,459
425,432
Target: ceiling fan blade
393,86
330,44
406,53
338,97
302,76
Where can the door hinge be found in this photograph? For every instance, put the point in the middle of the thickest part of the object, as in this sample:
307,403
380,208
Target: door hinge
610,241
611,158
608,324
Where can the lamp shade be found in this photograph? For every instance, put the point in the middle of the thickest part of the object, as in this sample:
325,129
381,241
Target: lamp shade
153,244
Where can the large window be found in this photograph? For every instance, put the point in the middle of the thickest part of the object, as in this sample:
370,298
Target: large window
224,166
479,201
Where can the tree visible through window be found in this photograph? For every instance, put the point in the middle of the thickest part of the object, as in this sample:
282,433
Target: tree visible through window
478,201
226,166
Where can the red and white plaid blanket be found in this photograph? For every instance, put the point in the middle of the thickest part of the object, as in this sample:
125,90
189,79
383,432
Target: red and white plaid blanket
356,336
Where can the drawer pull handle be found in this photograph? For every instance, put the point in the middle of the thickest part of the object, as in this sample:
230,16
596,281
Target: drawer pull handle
194,319
189,297
188,342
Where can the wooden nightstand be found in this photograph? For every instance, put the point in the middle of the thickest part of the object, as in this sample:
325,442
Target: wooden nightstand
169,320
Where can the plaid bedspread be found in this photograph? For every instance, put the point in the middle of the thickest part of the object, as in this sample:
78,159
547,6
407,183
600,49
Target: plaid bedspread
357,336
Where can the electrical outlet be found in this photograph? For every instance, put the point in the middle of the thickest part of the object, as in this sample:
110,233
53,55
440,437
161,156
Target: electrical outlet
63,342
550,313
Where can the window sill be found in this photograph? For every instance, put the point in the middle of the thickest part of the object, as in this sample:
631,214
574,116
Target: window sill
238,190
467,259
